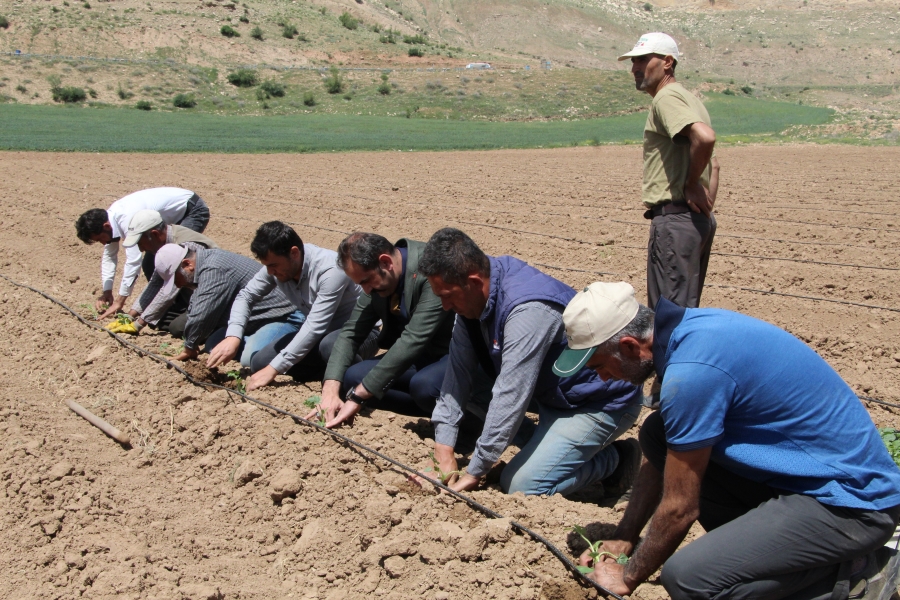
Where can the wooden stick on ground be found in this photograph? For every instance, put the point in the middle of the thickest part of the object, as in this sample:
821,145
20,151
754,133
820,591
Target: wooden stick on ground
99,423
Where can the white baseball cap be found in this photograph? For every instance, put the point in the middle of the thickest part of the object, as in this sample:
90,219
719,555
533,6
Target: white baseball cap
141,222
593,316
654,43
168,259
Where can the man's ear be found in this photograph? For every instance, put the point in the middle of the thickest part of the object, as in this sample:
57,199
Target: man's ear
296,253
475,280
386,262
630,347
186,263
107,227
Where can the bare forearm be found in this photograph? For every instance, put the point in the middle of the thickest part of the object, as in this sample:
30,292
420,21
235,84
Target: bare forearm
703,141
669,527
645,497
714,179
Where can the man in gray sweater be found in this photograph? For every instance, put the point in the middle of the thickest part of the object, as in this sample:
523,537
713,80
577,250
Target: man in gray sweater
310,278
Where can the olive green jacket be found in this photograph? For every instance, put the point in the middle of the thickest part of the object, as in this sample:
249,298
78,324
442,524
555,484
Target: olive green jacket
426,335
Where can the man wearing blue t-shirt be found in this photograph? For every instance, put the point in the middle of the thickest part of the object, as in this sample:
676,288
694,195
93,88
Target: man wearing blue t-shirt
757,438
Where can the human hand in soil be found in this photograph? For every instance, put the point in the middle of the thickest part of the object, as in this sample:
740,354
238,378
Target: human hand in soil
187,354
446,461
611,575
261,378
615,547
223,352
114,308
103,301
697,198
465,483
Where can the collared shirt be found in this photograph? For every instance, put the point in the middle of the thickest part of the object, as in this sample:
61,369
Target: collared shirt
220,275
171,203
530,330
324,294
770,408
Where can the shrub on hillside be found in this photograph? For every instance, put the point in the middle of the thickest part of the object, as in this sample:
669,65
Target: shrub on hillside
244,19
309,99
334,84
747,90
385,88
414,39
416,51
68,94
184,101
143,105
256,33
243,78
388,37
229,31
272,88
289,31
348,20
4,23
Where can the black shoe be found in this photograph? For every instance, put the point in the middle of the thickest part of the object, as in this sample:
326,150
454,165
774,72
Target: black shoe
878,579
623,477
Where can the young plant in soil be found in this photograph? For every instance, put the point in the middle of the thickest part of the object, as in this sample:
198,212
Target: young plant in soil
89,307
443,476
314,402
235,375
891,439
595,552
124,319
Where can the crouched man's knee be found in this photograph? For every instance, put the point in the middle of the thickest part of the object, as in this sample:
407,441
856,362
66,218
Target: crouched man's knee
514,479
680,578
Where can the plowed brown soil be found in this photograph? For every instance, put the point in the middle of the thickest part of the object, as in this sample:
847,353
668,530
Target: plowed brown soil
189,512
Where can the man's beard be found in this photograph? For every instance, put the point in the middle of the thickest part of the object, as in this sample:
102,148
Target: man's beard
637,371
188,279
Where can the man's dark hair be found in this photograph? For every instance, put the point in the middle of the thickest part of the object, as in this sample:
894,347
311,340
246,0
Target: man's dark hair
90,223
363,249
452,255
275,237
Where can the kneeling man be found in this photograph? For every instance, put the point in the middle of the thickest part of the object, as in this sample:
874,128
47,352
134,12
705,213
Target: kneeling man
757,438
509,327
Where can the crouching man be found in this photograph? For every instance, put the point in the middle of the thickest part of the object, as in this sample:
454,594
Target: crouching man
216,276
757,438
509,326
317,287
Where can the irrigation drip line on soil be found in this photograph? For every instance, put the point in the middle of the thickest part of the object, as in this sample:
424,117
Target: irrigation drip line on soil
743,289
334,434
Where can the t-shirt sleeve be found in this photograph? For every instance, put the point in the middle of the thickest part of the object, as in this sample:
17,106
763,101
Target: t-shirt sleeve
694,400
675,114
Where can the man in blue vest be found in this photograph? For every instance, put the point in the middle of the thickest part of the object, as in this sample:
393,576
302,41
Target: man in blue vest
757,438
509,328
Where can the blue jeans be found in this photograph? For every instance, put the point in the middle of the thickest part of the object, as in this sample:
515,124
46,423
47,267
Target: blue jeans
569,450
257,338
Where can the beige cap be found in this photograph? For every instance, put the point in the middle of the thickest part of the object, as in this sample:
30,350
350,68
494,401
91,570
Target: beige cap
593,316
142,222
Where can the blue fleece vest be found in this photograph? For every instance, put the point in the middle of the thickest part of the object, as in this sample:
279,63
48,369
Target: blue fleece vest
514,282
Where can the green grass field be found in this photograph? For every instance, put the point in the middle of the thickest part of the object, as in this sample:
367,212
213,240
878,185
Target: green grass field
80,129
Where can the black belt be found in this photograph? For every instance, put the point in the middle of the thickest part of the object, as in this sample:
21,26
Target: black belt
669,208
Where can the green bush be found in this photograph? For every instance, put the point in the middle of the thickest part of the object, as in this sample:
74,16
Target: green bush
891,440
184,101
229,31
414,39
272,88
729,92
648,7
256,33
385,88
87,5
124,94
334,84
309,99
143,105
243,78
416,51
21,88
68,94
747,90
348,21
244,19
92,92
4,23
388,38
289,31
302,37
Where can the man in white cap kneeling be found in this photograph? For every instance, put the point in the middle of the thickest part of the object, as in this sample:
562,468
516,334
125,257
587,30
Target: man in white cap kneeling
757,438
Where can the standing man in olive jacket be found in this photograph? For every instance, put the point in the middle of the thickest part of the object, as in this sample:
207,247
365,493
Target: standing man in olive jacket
415,331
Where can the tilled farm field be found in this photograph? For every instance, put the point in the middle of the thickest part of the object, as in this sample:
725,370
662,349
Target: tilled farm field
808,238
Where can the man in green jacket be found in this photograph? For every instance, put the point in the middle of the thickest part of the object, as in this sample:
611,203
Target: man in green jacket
415,331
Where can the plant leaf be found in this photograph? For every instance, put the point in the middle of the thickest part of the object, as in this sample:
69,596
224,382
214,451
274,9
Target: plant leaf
585,570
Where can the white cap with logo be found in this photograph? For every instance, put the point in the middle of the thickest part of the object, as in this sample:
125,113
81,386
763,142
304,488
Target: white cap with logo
593,316
654,43
141,222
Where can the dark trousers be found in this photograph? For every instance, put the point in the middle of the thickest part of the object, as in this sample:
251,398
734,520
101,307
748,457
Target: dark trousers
196,218
764,544
417,388
678,257
311,367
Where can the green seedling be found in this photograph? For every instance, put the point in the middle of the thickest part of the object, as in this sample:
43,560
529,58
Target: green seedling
239,385
314,402
89,307
594,551
891,439
124,319
443,476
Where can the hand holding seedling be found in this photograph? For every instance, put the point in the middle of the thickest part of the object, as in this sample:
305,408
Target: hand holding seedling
447,466
318,413
223,352
261,378
115,307
187,354
103,301
604,562
239,385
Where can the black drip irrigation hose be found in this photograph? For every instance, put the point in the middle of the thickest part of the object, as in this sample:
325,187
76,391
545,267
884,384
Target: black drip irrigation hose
142,352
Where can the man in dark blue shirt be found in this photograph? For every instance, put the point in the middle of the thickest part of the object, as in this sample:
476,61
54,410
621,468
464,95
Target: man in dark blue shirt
757,438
